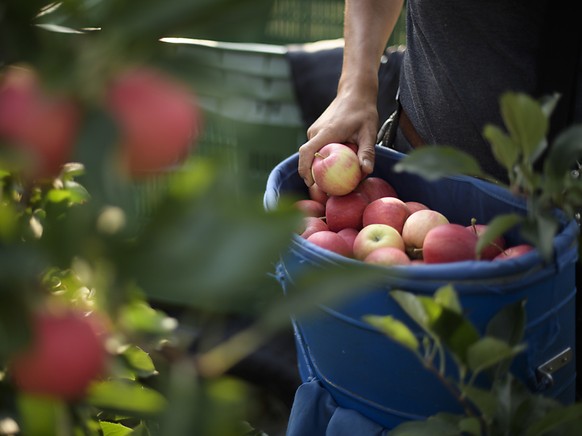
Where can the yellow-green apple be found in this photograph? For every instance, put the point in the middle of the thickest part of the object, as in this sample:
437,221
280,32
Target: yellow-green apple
514,251
415,228
374,236
158,117
413,206
386,210
330,241
42,125
375,188
491,250
387,256
336,169
66,354
449,243
349,236
343,211
312,225
317,194
310,207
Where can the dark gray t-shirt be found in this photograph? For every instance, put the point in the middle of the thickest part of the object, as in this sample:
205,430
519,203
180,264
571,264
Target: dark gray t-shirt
461,56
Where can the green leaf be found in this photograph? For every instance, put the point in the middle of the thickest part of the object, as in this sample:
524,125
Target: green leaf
505,150
508,324
563,155
489,351
140,361
114,429
526,122
440,161
446,296
484,400
541,231
497,227
126,397
442,424
395,330
556,418
413,307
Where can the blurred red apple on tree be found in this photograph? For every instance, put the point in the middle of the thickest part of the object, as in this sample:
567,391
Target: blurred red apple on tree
336,169
41,124
158,118
65,356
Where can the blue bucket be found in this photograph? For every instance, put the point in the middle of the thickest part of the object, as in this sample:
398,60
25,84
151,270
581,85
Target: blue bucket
366,372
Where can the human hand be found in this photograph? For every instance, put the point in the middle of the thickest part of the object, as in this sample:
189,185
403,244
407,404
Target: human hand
346,120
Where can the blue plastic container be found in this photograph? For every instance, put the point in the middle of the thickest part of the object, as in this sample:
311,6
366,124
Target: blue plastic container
365,371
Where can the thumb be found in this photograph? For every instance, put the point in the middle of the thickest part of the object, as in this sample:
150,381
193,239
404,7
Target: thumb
367,154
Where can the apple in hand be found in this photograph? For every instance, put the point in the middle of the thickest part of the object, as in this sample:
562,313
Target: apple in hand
387,256
343,211
449,243
386,210
515,251
336,169
331,241
417,225
312,225
375,188
310,207
494,248
374,236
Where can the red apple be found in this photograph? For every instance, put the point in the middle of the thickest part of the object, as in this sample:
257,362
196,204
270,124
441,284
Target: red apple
416,226
43,125
310,207
158,118
317,194
386,210
65,356
375,188
349,236
515,251
312,225
336,169
343,211
413,206
387,256
449,243
494,248
331,241
374,236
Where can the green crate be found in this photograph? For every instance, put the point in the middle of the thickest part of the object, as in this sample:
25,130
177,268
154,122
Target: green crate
251,118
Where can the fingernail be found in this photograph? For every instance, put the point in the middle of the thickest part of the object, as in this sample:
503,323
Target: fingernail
367,165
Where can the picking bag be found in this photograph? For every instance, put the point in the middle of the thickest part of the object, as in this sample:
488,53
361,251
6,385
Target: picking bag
364,371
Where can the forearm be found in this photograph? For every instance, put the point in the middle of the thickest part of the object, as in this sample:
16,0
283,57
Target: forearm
367,26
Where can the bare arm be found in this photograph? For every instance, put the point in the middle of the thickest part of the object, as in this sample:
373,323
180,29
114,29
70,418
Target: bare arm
352,116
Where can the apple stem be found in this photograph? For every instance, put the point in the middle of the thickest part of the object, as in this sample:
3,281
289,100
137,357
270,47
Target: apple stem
318,154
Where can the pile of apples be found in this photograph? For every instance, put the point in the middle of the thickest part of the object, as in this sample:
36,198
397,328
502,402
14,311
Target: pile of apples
362,217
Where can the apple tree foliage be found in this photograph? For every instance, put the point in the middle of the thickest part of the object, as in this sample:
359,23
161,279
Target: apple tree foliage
545,175
493,401
156,257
